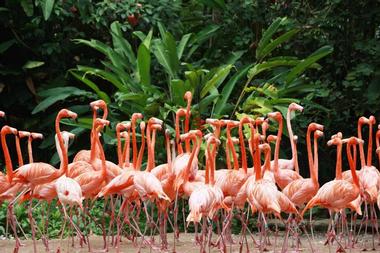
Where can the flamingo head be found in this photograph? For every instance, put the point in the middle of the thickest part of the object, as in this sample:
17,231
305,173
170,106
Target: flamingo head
98,104
354,141
156,127
65,134
101,123
23,134
372,120
271,138
64,113
231,123
8,130
142,126
315,126
121,126
136,116
335,141
124,134
216,122
363,120
155,121
188,96
295,107
245,120
2,114
275,115
41,136
213,140
259,121
318,134
337,135
264,147
181,112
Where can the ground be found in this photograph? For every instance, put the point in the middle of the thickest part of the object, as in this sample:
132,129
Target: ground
186,244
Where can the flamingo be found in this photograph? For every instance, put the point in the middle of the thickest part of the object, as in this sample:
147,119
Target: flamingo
85,155
262,194
291,164
338,193
35,174
119,128
282,177
302,190
205,200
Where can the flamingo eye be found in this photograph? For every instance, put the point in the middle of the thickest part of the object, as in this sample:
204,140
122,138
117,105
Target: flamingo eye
66,193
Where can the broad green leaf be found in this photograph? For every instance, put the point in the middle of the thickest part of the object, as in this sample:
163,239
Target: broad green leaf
182,44
148,39
47,7
235,56
33,64
304,64
272,29
124,77
258,68
27,6
143,63
57,94
160,51
171,52
214,3
140,35
200,37
106,75
275,43
92,85
206,102
120,44
4,46
95,44
228,88
216,80
162,29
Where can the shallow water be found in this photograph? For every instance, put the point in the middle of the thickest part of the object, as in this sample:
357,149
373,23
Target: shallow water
185,244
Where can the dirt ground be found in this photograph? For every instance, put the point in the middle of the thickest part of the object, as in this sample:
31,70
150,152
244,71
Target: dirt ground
185,244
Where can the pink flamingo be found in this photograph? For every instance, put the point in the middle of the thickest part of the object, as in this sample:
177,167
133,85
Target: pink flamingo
335,195
291,164
283,177
34,174
85,155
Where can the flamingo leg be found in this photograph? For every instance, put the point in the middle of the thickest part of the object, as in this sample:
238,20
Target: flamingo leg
31,221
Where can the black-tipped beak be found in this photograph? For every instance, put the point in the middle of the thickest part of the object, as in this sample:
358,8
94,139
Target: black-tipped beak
76,120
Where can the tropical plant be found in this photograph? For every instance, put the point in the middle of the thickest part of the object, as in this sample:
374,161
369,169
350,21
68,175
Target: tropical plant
284,81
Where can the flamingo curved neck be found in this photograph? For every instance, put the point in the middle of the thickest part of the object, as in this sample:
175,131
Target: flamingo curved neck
369,150
134,143
177,135
64,161
309,151
119,153
126,151
233,150
277,148
142,149
361,145
242,146
292,142
7,157
30,150
256,160
314,171
355,178
18,150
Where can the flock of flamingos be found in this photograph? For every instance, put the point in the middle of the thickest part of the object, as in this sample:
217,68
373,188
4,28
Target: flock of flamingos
272,190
